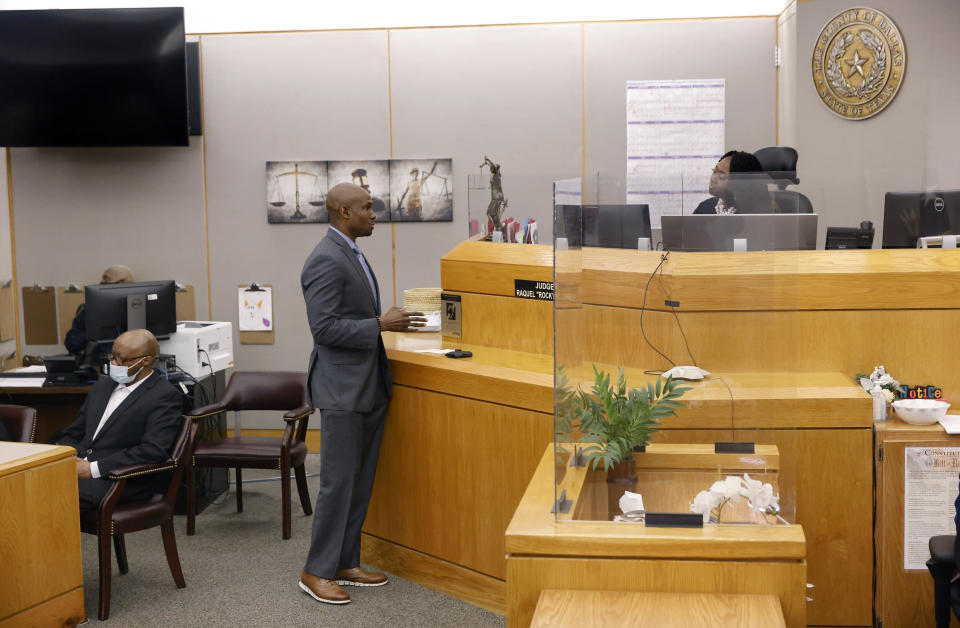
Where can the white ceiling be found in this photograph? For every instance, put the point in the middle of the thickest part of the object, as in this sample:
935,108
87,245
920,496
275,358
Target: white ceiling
218,16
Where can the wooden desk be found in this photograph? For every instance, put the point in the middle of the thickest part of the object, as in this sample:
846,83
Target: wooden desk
42,579
461,440
903,598
56,407
546,553
560,608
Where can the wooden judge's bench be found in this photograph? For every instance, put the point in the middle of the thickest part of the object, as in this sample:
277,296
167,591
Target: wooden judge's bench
783,334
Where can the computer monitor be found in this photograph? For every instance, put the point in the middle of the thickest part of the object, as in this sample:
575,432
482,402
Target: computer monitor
763,232
111,309
615,226
910,215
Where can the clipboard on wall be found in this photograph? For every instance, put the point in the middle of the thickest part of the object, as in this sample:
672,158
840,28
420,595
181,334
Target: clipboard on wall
255,337
8,314
9,361
69,298
186,303
40,315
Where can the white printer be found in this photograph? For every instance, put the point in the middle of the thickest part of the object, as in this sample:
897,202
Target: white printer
198,343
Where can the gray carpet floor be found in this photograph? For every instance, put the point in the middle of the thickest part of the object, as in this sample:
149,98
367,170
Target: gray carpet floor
239,572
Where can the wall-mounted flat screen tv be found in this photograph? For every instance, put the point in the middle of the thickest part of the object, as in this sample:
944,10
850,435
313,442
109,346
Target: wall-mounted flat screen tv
93,77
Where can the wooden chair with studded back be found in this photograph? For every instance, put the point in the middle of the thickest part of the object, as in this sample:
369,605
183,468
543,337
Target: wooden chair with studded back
18,423
283,391
114,519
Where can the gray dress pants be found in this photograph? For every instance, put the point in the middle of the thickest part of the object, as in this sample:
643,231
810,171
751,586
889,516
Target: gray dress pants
349,447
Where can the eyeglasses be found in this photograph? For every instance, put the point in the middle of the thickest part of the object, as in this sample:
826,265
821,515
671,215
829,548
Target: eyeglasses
125,361
720,175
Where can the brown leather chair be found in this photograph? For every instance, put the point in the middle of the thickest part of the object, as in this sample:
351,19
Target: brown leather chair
115,520
283,391
20,421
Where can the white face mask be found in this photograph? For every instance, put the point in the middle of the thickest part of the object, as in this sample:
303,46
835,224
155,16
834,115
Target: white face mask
121,374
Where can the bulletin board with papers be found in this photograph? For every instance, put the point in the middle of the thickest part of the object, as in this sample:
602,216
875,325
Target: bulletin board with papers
675,136
929,490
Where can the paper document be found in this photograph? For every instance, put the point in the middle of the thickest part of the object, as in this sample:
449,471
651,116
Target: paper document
929,490
433,322
951,423
437,351
675,136
21,382
256,309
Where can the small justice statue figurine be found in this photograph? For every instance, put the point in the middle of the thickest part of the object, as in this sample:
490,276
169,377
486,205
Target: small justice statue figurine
497,202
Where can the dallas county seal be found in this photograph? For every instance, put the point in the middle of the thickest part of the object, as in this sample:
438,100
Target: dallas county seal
858,63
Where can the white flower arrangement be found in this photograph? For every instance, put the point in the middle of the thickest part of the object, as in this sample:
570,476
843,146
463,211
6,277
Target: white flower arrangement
879,377
759,496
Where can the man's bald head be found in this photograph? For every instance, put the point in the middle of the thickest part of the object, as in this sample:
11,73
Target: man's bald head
349,208
117,274
342,194
136,347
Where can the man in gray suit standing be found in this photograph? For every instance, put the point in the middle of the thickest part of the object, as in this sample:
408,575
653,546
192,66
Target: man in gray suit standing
349,381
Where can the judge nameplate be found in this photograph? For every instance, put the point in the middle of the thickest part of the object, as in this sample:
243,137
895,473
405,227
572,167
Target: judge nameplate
528,289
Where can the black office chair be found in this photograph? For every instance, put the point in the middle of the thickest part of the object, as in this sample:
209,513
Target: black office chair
780,162
942,565
792,202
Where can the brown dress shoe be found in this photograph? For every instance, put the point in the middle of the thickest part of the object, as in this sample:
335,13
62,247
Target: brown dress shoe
358,577
323,590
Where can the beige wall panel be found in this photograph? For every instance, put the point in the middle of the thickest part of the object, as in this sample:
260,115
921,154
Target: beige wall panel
787,77
6,260
279,97
513,93
738,50
846,167
79,210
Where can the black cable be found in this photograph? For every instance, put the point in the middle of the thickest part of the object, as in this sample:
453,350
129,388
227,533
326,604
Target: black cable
675,316
213,377
643,307
730,392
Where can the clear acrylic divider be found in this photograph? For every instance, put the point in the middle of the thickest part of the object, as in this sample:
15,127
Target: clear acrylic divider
624,314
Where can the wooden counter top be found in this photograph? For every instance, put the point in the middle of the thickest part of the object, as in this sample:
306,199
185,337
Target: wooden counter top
15,457
513,378
525,380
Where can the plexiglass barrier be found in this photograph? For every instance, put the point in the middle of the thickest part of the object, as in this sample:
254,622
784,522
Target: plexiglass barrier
666,362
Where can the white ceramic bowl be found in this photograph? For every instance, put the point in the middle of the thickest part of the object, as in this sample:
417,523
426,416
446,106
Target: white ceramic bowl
920,411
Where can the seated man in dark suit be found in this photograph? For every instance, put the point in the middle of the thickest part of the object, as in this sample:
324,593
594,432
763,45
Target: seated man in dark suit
130,417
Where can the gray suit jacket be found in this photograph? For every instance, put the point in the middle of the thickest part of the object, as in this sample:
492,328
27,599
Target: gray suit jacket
348,352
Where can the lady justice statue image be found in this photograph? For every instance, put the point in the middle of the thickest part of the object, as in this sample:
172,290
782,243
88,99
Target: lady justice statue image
497,203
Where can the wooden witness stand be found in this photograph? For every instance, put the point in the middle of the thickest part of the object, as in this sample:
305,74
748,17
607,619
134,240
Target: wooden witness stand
42,582
782,332
569,552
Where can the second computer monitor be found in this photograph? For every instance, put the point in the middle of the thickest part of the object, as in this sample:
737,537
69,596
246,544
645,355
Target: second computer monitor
910,215
615,226
111,309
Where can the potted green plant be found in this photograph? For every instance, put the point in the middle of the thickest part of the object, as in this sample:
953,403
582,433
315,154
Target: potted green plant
615,420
